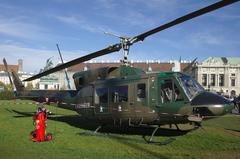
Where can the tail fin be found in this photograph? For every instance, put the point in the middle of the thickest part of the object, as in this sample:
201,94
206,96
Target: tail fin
17,83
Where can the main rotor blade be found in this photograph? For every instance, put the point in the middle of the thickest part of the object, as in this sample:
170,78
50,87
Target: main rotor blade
6,70
184,18
110,49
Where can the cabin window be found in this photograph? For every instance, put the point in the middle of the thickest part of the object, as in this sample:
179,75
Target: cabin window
141,91
80,81
101,95
119,94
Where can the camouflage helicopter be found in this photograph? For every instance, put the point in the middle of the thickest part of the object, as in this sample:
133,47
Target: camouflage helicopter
127,96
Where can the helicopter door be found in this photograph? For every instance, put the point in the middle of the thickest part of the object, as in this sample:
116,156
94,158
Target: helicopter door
101,100
119,101
170,96
141,93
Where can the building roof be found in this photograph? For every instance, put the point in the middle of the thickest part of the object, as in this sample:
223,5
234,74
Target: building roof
158,67
233,60
223,60
10,67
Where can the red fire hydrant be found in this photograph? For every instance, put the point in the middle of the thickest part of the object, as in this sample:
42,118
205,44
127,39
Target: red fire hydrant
40,118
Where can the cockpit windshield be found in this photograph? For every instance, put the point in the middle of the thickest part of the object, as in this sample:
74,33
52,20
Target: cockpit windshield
191,86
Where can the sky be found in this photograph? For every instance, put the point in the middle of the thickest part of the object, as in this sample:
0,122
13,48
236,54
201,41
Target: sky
30,30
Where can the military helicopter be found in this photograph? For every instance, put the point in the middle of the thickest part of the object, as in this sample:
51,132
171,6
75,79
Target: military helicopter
127,96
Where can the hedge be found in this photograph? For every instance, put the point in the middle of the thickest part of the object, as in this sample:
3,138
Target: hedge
6,95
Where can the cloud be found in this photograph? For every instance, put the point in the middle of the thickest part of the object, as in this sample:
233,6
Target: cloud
19,27
34,59
206,38
226,16
75,20
107,4
80,22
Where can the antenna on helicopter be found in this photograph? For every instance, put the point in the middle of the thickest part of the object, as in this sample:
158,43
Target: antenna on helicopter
65,70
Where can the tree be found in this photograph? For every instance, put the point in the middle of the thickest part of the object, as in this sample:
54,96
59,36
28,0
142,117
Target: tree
9,87
7,93
3,85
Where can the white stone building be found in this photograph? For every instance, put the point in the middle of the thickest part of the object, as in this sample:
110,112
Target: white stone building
219,74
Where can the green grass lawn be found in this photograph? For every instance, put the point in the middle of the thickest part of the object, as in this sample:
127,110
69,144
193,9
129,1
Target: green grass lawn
219,138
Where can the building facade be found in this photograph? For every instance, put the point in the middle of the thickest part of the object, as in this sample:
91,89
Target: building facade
219,74
49,82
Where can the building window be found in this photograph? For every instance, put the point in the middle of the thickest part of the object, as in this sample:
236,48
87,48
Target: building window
204,79
212,79
233,82
119,94
45,86
233,74
221,79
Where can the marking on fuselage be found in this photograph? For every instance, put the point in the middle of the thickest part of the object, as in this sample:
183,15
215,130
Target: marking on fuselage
164,113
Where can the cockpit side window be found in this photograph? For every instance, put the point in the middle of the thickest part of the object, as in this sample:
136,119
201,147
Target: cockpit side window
177,94
166,91
169,92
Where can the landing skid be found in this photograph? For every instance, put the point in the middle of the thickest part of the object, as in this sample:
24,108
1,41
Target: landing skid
145,139
94,133
150,140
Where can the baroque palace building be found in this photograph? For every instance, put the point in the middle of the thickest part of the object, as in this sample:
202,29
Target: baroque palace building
219,74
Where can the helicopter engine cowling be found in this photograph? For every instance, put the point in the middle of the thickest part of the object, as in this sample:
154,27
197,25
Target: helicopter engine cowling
84,78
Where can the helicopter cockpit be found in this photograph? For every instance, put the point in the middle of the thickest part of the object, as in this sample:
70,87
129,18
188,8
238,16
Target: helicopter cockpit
190,86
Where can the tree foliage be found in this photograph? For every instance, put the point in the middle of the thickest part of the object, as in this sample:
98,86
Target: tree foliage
7,92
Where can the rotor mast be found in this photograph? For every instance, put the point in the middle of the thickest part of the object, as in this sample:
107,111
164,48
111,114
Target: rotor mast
125,43
126,46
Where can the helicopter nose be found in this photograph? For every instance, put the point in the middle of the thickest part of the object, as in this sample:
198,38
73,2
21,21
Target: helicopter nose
211,104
